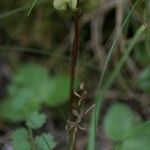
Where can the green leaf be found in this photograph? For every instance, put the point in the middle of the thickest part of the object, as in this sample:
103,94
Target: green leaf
20,140
119,122
36,120
60,89
139,139
144,80
52,90
31,87
18,108
31,76
44,142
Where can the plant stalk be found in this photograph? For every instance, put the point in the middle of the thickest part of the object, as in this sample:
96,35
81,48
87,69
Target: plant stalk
74,59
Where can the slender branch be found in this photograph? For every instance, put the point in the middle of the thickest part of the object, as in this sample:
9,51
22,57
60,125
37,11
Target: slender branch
74,58
75,52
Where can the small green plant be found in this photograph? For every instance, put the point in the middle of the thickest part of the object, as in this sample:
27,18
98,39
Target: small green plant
35,120
123,126
31,87
138,139
119,121
26,139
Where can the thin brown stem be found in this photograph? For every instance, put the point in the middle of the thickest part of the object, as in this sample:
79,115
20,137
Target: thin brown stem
74,58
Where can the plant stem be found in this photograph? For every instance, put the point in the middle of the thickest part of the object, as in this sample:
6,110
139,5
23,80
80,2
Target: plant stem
73,138
75,51
74,58
31,139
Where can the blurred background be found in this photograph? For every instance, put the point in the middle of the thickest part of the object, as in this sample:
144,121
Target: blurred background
35,54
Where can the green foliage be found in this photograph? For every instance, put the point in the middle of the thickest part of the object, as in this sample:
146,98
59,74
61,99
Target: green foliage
33,77
144,80
31,87
20,140
24,140
59,91
139,140
103,90
44,142
121,125
35,120
59,4
119,122
17,108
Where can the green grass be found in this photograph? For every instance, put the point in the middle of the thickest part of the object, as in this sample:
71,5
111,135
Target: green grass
32,6
116,147
20,9
101,91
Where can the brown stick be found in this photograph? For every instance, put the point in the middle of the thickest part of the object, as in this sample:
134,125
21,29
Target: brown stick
74,57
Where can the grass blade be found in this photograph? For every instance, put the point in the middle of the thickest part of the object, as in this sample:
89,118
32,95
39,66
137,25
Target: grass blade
108,84
110,81
32,6
100,91
18,10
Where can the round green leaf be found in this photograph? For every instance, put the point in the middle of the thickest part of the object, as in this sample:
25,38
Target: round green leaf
20,140
60,89
119,121
31,76
44,142
18,108
32,86
139,138
35,120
